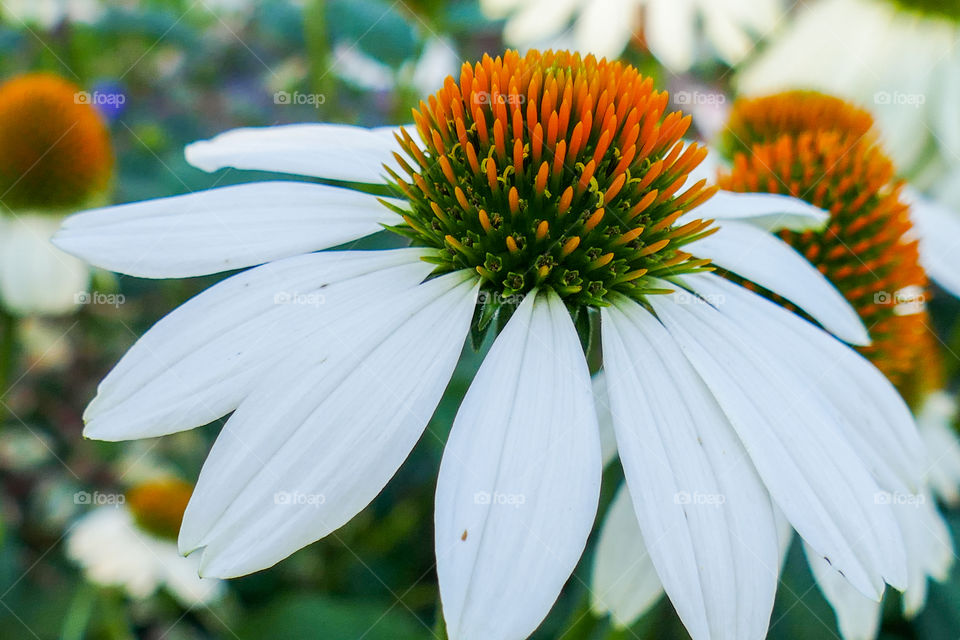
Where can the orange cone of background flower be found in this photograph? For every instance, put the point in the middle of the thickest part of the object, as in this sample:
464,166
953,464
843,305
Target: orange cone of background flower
56,158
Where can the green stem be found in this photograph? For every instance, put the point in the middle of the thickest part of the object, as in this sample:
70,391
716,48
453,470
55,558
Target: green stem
8,348
116,625
79,614
582,624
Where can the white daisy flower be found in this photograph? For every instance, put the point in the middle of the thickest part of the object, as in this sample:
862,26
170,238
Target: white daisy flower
129,545
553,185
50,13
55,159
935,420
819,148
901,60
674,30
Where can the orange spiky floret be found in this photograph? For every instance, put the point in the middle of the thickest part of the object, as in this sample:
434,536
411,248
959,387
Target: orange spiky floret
762,120
158,506
576,167
866,249
55,147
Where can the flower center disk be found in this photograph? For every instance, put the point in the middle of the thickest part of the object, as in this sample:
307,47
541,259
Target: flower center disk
56,148
158,506
552,170
825,151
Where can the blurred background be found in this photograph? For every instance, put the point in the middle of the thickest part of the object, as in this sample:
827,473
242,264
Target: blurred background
86,527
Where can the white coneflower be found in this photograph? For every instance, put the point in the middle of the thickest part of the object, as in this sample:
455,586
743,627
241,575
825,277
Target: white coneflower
55,158
675,31
553,185
897,57
50,13
819,148
132,545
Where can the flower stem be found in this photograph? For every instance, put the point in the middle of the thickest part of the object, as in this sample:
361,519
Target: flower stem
8,348
78,615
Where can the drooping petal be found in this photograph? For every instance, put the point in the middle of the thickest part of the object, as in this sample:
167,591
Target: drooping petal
939,231
221,229
766,260
36,278
520,478
318,439
767,211
877,421
624,583
794,440
705,516
197,364
858,617
332,151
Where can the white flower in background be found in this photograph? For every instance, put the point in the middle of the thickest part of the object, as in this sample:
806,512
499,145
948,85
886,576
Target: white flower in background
819,148
333,362
676,31
49,13
55,158
131,544
935,420
901,63
425,74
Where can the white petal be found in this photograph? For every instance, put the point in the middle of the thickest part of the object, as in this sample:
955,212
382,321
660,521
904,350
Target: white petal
35,276
317,440
221,229
935,421
858,617
876,420
768,211
669,28
332,151
705,516
794,440
939,231
624,582
784,534
197,364
520,478
538,19
605,27
768,261
608,439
